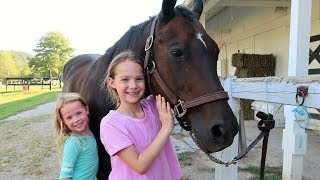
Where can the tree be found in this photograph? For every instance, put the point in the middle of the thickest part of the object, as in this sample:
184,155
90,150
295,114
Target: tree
52,52
22,59
8,65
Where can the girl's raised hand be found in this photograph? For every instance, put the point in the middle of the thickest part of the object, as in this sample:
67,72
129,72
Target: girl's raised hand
165,114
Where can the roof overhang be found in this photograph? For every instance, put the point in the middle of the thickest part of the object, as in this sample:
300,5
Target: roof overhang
213,7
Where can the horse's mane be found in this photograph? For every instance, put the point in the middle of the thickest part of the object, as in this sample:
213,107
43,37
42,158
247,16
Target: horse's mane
134,34
127,41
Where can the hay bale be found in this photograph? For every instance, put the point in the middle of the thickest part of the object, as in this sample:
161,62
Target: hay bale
254,72
252,65
241,60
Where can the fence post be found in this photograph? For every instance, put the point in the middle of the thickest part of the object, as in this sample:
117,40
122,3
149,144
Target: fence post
294,137
60,77
50,79
294,144
6,85
221,171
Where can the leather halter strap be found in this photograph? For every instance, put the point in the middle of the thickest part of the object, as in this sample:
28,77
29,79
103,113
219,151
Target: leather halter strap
179,106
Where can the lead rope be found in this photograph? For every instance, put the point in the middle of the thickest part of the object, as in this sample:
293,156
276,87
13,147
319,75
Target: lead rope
265,125
211,157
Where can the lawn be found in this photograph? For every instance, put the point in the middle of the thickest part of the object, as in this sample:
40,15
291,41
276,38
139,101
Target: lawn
15,100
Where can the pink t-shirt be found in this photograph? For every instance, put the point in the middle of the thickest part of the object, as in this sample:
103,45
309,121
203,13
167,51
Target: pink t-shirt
118,131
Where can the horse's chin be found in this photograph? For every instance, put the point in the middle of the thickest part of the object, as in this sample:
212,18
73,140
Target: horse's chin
209,147
200,144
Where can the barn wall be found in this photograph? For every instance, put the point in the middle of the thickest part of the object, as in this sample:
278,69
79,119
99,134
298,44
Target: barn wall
259,30
315,30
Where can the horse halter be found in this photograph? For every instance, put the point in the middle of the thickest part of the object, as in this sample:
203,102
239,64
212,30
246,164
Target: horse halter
179,106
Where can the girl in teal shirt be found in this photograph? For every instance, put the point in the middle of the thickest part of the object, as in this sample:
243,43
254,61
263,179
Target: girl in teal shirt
75,143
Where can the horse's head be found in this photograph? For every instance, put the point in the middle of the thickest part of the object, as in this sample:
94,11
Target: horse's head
183,68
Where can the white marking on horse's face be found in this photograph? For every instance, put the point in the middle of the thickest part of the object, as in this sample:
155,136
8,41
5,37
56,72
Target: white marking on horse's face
199,36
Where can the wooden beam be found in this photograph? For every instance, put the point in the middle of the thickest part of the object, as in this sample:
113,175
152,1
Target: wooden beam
213,7
254,3
277,89
209,4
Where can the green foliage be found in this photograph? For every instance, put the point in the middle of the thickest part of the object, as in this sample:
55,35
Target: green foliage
14,64
22,60
52,52
8,65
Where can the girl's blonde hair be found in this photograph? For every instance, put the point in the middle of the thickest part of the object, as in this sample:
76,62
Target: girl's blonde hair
123,56
61,128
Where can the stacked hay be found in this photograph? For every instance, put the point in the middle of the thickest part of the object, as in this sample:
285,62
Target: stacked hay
252,65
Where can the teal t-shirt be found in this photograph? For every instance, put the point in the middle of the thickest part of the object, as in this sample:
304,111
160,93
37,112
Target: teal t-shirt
80,158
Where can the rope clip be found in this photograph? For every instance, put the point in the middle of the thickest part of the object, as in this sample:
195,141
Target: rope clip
301,91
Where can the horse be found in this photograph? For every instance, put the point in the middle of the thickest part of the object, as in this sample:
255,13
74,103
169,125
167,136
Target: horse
180,62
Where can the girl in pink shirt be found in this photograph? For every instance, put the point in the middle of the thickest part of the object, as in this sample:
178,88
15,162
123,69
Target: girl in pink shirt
137,134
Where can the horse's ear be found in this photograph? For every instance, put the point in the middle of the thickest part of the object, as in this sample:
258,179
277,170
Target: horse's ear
197,8
167,10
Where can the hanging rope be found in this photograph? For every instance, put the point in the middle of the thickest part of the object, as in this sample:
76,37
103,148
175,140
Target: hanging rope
300,114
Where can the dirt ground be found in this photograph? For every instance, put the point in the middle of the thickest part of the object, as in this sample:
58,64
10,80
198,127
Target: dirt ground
27,150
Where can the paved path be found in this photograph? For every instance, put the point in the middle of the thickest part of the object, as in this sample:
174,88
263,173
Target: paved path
43,109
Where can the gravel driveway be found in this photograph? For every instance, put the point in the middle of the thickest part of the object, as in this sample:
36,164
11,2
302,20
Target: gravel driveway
27,150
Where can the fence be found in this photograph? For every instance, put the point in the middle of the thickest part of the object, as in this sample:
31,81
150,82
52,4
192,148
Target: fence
281,90
27,82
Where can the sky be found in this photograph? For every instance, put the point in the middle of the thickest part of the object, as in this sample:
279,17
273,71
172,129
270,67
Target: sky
91,26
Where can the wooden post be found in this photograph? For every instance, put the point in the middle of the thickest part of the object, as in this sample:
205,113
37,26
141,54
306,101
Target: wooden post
60,77
242,132
221,171
50,79
294,137
6,85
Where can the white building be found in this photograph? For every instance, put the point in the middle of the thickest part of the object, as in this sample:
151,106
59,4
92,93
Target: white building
258,27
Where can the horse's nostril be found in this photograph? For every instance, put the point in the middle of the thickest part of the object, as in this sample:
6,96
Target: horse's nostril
217,131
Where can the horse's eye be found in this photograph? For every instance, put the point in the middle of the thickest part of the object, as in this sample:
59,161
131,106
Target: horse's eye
176,53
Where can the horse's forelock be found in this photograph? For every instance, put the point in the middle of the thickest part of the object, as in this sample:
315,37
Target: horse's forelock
183,11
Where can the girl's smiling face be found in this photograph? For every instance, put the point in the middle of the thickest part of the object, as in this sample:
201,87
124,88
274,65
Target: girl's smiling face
128,82
75,116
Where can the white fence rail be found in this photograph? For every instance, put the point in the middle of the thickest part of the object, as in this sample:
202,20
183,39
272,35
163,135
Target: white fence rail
281,90
277,89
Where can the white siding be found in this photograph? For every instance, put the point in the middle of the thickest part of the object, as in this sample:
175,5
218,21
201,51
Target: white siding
259,30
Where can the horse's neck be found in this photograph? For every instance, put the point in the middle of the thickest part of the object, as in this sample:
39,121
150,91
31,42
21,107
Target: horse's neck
126,42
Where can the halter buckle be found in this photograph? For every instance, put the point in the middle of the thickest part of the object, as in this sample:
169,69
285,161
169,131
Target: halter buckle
153,66
149,43
179,109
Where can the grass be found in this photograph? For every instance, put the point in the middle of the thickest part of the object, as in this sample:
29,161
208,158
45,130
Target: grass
13,102
29,148
271,173
186,158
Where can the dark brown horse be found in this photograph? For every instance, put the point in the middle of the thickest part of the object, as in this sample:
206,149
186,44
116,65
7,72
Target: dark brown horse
181,65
